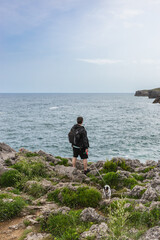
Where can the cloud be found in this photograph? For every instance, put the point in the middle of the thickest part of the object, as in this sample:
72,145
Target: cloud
131,25
128,13
150,61
99,61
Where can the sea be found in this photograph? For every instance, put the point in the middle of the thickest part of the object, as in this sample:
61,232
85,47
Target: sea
117,124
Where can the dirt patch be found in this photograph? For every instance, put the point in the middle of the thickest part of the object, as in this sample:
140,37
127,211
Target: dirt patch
11,234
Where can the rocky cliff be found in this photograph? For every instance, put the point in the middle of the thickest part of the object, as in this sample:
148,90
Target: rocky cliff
44,197
152,93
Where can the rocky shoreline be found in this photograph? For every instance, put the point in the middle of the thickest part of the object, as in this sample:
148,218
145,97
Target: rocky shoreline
60,202
152,93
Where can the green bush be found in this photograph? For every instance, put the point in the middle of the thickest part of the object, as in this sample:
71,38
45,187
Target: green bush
111,179
10,178
31,168
147,218
65,226
138,177
148,169
53,196
82,197
109,166
130,182
64,161
36,190
30,154
9,209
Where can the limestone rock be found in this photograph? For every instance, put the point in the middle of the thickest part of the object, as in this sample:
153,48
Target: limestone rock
71,172
37,236
90,215
99,231
150,194
152,234
137,191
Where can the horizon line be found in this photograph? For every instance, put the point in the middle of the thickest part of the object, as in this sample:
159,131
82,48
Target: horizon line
62,92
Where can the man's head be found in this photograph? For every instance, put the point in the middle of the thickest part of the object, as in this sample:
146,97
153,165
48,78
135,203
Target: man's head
79,120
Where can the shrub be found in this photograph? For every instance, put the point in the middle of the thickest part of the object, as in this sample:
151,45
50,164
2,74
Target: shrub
36,190
148,169
148,218
8,162
10,178
31,168
30,154
53,196
64,161
111,179
65,226
130,182
109,166
9,209
118,219
82,197
138,177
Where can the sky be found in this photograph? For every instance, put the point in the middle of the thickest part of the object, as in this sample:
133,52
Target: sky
79,45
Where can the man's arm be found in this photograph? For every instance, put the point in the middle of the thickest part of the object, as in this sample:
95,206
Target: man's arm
85,140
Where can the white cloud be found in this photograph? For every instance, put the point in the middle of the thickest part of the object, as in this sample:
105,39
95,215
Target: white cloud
128,13
99,61
131,25
150,61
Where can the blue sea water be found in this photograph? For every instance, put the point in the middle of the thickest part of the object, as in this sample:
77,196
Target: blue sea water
117,124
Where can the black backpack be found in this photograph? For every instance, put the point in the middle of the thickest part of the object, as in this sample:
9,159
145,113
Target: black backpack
74,135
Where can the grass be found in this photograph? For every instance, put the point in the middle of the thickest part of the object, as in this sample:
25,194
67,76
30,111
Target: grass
35,190
25,233
82,197
31,168
64,161
10,209
10,178
65,226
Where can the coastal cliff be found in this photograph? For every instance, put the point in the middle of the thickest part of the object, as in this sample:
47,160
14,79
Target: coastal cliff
44,197
152,93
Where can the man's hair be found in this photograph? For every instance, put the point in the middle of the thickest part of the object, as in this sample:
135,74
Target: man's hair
79,120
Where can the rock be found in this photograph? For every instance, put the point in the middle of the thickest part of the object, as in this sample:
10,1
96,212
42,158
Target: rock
71,172
37,236
150,194
152,234
31,219
141,93
154,205
97,231
154,93
137,191
6,151
45,184
62,210
133,163
17,226
123,174
49,157
140,207
151,163
90,215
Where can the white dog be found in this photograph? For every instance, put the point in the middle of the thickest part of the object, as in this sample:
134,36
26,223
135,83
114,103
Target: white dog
107,192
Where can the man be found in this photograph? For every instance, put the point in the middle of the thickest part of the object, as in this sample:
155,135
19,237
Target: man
81,144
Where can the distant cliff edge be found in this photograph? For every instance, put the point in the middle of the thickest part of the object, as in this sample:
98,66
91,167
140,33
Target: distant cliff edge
152,93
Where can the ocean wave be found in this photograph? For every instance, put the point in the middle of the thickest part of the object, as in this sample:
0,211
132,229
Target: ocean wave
51,108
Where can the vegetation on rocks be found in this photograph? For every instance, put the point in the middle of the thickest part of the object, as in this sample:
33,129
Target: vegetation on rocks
81,197
10,206
132,210
65,226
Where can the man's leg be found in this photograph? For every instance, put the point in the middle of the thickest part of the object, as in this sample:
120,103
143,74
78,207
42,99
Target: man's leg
74,159
85,164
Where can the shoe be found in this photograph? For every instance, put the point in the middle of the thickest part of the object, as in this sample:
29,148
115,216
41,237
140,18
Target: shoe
86,171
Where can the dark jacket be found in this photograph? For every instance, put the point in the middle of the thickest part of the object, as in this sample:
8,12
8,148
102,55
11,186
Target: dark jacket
83,142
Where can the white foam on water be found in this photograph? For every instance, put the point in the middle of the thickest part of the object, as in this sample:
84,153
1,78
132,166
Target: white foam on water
51,108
